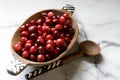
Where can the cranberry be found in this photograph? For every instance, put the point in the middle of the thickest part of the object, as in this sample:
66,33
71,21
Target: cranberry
23,28
27,46
48,21
44,34
69,22
49,47
23,39
25,33
33,36
62,19
17,47
29,41
62,35
46,29
40,40
39,27
40,21
50,14
23,49
66,15
39,32
56,34
50,42
33,22
28,25
71,31
33,49
43,14
49,36
19,42
25,54
55,20
67,39
41,49
32,29
53,30
40,58
60,42
58,27
47,57
54,53
68,35
33,57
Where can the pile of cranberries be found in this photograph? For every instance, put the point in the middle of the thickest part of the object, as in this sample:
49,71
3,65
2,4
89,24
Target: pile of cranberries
45,38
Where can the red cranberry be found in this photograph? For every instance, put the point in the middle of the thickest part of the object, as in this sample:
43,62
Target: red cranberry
44,14
33,50
17,47
40,40
48,21
33,36
60,42
50,42
23,49
48,57
62,19
69,22
67,39
58,27
29,41
45,29
33,22
27,46
39,32
49,36
40,21
41,49
54,53
23,28
71,31
49,47
50,14
23,39
19,42
56,34
25,33
33,57
68,35
53,30
62,35
44,34
25,54
28,25
55,20
66,15
32,29
39,27
40,58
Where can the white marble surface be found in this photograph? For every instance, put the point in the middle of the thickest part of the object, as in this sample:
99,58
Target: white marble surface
101,22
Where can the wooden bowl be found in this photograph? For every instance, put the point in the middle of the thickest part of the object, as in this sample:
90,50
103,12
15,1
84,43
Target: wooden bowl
16,38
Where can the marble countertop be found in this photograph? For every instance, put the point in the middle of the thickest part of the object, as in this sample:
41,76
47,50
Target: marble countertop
98,19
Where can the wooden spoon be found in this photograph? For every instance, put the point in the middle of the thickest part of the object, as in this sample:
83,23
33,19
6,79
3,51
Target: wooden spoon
86,48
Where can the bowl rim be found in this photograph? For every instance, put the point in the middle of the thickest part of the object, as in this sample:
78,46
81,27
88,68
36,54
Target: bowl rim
29,62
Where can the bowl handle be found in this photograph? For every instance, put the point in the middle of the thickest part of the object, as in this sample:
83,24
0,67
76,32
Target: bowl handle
70,8
15,66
